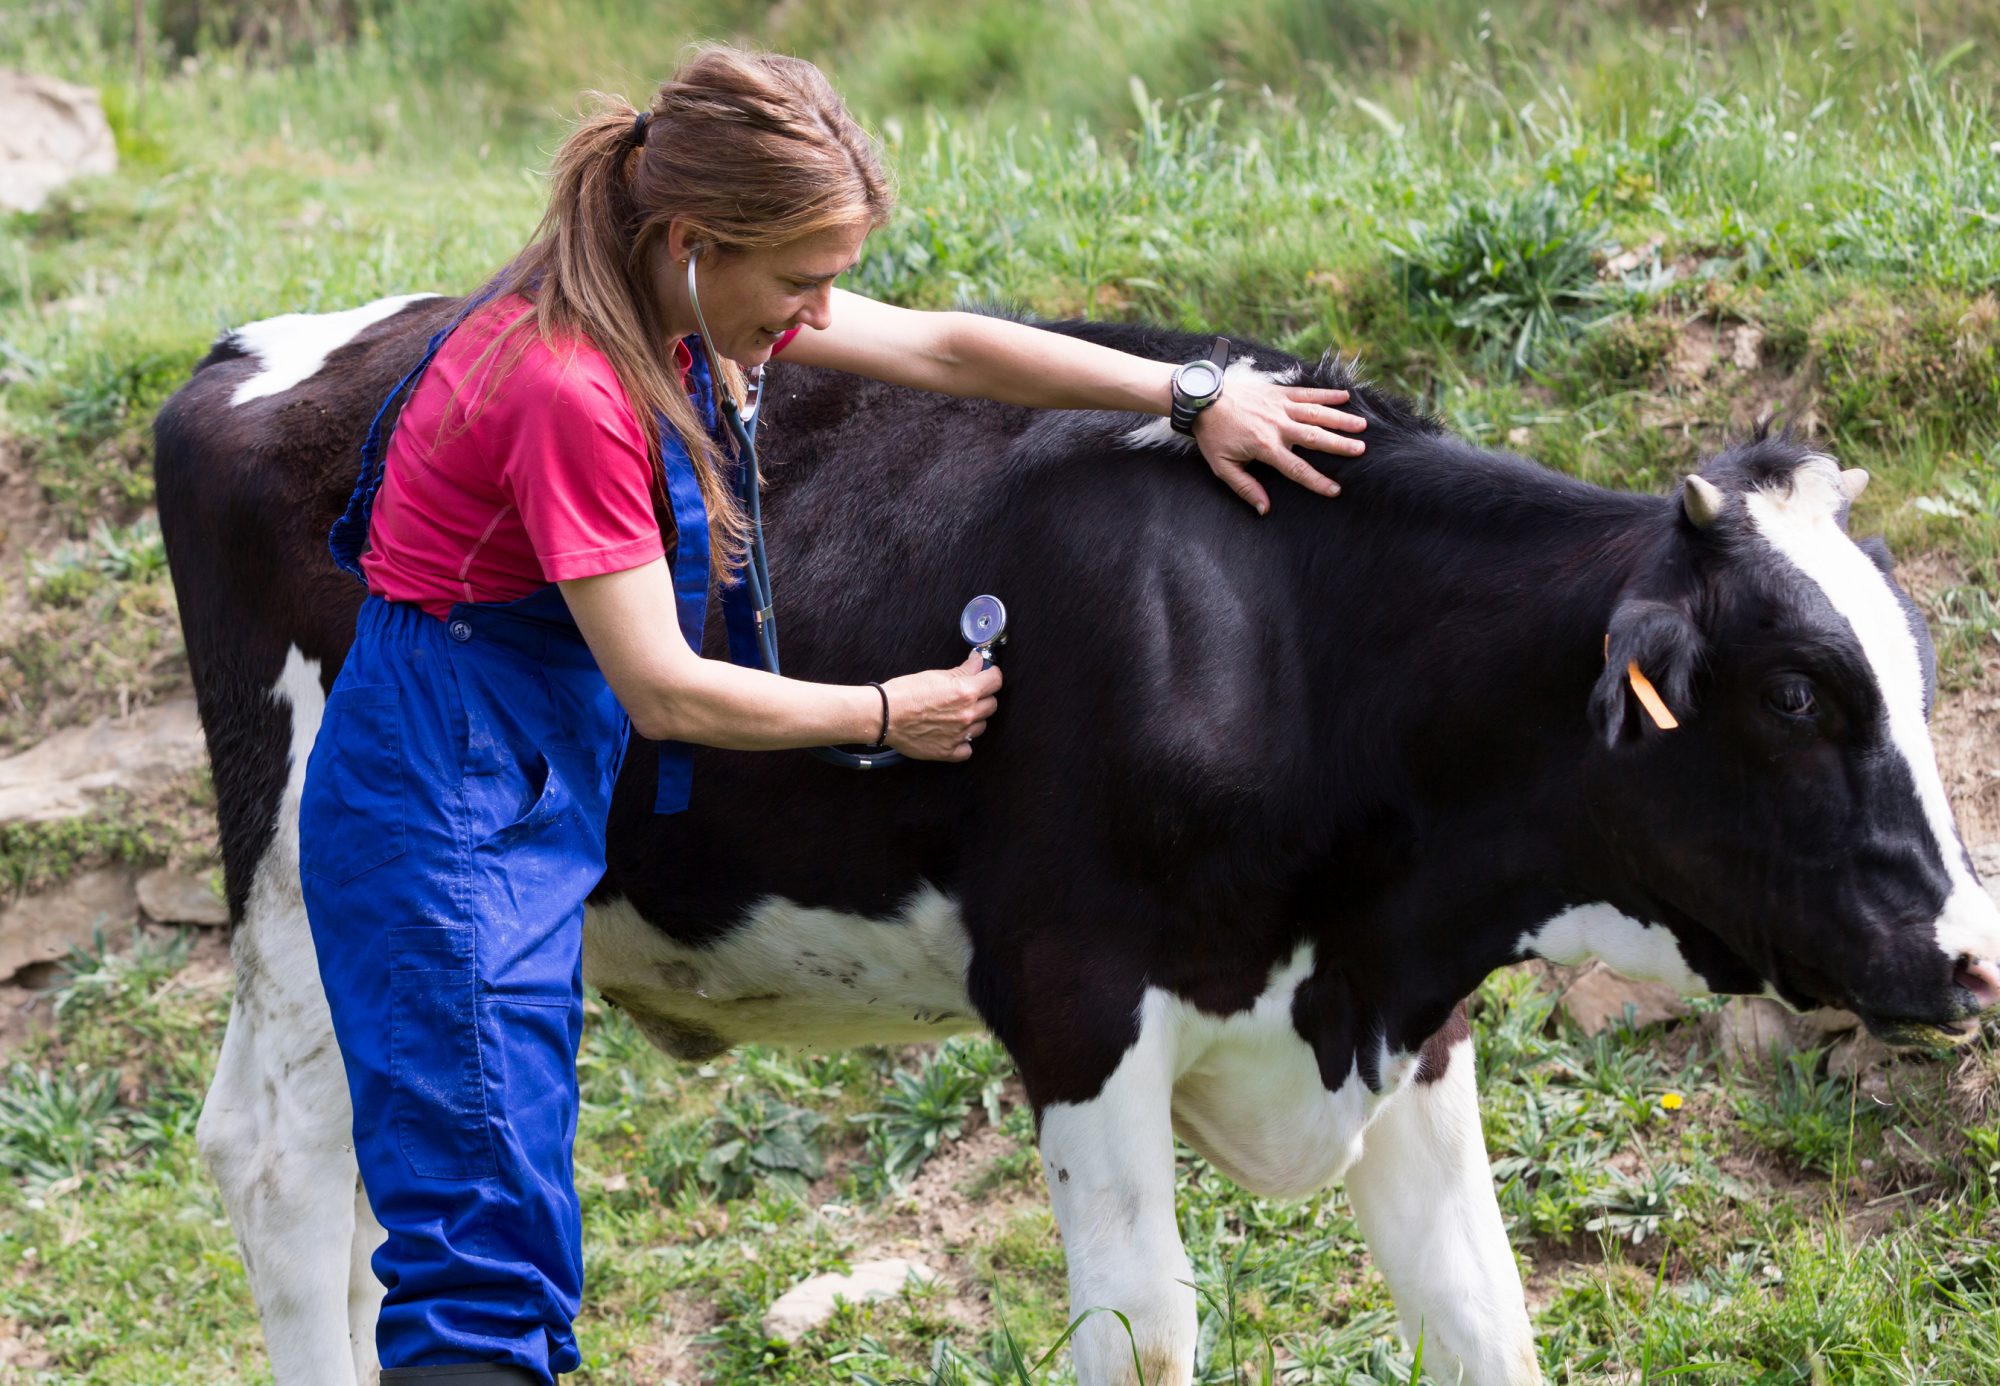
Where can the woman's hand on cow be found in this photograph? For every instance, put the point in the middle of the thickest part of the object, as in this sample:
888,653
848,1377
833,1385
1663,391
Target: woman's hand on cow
1256,420
934,715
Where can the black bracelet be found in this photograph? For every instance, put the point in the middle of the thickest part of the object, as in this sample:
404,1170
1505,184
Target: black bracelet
883,739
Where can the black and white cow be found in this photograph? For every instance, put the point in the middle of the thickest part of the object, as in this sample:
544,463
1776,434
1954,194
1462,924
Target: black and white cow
1266,799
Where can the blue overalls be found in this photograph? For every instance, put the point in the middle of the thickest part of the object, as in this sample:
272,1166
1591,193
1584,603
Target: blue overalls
452,824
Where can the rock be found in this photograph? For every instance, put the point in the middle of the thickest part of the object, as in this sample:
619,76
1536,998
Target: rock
1857,1056
1746,346
50,132
175,897
62,776
1753,1031
1625,261
811,1303
1597,999
42,928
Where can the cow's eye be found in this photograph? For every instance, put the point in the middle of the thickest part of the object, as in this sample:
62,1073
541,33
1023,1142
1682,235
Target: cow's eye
1793,699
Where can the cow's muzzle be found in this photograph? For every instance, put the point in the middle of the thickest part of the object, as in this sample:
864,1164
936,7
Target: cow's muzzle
1975,989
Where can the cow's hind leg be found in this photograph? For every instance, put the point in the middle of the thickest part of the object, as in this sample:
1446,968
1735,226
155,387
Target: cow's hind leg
1423,1194
1110,1167
276,1131
275,1135
364,1291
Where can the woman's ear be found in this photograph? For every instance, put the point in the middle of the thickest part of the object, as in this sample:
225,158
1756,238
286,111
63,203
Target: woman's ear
681,241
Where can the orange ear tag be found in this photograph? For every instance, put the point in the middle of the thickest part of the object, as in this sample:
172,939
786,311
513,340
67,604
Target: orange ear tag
1649,696
1650,699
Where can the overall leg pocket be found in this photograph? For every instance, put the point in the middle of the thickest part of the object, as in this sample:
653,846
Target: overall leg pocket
351,818
438,1096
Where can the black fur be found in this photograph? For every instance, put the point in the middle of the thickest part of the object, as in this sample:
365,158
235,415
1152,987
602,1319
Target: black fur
1383,724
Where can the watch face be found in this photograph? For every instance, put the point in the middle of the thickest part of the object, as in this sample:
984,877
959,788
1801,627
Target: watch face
1200,378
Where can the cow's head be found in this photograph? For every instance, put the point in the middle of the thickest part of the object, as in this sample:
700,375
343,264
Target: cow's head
1794,824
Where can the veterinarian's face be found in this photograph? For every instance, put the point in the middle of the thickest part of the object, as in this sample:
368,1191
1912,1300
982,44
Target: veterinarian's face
752,297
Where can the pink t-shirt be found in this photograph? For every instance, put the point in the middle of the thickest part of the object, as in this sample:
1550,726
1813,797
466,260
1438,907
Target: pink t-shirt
550,480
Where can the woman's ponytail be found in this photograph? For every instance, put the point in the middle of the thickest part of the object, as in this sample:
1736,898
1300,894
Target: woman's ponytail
747,150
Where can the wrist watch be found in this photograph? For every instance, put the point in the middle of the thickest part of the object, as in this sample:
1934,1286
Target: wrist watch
1197,385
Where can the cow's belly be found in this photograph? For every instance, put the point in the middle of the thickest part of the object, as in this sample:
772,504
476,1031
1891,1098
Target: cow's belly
788,975
1251,1101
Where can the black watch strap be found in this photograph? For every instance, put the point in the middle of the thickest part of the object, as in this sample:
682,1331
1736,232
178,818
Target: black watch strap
1180,413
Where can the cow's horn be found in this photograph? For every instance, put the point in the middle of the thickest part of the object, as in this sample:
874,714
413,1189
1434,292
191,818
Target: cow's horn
1853,482
1703,501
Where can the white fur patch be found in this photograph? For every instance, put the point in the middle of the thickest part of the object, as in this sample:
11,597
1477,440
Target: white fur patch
1644,952
1423,1194
293,347
1245,1091
1249,1097
1801,524
792,975
1159,433
1110,1169
275,1130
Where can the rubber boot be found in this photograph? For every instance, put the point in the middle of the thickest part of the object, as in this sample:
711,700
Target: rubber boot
468,1374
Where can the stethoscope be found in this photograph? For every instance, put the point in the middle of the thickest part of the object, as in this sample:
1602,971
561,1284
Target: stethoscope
983,622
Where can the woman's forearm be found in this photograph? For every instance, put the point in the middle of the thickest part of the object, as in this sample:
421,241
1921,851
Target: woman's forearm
1017,364
967,354
673,694
710,703
975,356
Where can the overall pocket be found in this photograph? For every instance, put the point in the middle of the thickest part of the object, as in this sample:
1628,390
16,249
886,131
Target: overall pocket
438,1092
351,817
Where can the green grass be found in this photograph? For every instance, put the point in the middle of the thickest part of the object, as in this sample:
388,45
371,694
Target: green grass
1439,195
1704,1241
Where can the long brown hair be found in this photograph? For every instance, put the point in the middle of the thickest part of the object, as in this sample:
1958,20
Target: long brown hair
750,150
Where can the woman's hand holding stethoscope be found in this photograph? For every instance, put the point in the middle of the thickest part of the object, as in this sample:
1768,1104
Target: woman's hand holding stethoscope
934,715
1255,420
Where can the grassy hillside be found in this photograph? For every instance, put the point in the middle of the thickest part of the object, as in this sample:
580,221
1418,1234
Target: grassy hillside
1607,238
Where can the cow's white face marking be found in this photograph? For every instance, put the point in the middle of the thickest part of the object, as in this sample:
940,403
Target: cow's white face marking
293,347
1159,433
789,974
1801,523
1642,951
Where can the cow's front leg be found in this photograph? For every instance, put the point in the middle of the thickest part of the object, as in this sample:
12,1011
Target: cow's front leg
1110,1167
1423,1194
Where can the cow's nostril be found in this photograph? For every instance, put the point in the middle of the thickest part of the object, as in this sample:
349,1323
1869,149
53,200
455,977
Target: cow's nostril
1979,977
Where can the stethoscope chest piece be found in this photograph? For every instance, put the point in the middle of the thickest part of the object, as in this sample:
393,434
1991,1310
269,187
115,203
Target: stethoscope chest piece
983,624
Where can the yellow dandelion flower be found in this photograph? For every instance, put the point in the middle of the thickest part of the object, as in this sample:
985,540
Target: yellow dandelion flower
1670,1101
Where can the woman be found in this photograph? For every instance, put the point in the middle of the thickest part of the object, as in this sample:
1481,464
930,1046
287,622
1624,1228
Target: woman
519,577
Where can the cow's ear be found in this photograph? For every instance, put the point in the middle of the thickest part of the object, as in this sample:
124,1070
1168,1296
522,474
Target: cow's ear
1665,645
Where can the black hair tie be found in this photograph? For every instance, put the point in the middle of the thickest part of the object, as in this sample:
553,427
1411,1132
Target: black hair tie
638,135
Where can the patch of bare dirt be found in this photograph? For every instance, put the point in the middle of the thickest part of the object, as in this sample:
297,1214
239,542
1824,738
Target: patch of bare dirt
673,1359
24,1012
943,1214
1965,724
1722,363
27,526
